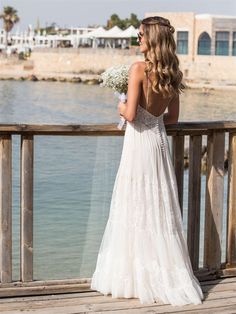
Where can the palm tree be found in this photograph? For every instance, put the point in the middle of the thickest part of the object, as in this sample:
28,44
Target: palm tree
10,18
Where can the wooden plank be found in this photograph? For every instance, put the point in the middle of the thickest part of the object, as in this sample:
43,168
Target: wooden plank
231,204
113,131
46,282
204,275
135,305
214,200
91,297
57,282
38,290
107,303
178,161
26,265
194,199
227,272
71,129
121,305
218,308
90,302
5,208
219,287
27,290
221,281
73,285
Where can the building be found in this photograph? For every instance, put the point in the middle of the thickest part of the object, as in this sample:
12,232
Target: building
73,37
206,45
31,38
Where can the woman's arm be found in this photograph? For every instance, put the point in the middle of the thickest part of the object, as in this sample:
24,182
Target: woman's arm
172,115
128,109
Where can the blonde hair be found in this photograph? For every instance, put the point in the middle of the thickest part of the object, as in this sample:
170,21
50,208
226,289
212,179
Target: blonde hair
161,57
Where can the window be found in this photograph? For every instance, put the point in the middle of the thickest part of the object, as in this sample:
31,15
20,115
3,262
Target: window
222,44
234,44
204,44
182,43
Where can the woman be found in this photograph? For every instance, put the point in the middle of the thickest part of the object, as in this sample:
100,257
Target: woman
143,253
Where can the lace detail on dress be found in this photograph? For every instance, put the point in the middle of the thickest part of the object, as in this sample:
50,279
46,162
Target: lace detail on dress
145,119
147,197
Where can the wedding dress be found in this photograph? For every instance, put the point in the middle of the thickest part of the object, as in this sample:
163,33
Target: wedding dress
143,253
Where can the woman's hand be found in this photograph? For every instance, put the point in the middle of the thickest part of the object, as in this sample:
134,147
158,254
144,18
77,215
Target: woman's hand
121,108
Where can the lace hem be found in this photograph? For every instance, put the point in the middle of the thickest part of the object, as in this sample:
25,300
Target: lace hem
181,294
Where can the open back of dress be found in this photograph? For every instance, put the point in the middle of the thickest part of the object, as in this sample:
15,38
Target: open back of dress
151,101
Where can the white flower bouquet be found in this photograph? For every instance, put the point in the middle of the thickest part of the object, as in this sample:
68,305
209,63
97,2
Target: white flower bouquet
117,78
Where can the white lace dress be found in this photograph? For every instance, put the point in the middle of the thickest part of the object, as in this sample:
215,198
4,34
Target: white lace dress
143,253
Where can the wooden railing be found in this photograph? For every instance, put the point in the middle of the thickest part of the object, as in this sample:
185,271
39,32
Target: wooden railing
215,133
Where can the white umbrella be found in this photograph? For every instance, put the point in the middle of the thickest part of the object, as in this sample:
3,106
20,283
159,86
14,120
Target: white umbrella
98,32
131,31
114,32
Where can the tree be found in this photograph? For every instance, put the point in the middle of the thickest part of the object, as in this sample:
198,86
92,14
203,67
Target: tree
123,24
10,18
113,21
51,29
134,20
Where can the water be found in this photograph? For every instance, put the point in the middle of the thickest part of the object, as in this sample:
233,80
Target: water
74,176
55,102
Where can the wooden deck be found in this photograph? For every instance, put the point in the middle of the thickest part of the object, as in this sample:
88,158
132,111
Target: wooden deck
220,297
31,295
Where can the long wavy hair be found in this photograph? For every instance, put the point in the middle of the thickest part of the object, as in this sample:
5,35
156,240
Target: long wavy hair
161,58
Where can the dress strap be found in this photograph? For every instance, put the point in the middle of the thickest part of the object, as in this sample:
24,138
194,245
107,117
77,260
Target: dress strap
147,90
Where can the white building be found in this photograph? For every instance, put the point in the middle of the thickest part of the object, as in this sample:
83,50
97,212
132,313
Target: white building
77,37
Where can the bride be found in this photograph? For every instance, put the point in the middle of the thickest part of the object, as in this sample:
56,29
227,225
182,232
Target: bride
143,253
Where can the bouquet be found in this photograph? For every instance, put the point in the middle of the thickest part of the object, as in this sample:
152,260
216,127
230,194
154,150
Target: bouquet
117,78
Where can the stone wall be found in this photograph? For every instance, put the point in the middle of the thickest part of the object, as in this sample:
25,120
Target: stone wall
217,68
61,62
210,68
81,60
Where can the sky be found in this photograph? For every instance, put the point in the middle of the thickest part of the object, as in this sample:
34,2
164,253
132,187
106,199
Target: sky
81,13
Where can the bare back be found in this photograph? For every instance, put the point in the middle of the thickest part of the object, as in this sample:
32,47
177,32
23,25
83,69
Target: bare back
153,102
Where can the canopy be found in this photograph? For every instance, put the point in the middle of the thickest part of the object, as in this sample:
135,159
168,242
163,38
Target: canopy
114,32
129,32
98,32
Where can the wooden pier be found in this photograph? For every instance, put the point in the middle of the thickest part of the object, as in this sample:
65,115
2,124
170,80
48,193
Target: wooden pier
220,297
218,279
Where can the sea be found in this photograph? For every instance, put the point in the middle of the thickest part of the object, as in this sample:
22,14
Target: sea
74,175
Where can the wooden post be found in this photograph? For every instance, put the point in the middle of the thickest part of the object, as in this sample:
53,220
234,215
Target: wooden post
194,198
214,200
178,161
231,204
26,267
5,208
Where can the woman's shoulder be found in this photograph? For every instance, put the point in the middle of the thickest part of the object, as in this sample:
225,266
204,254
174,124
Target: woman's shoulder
137,68
138,65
